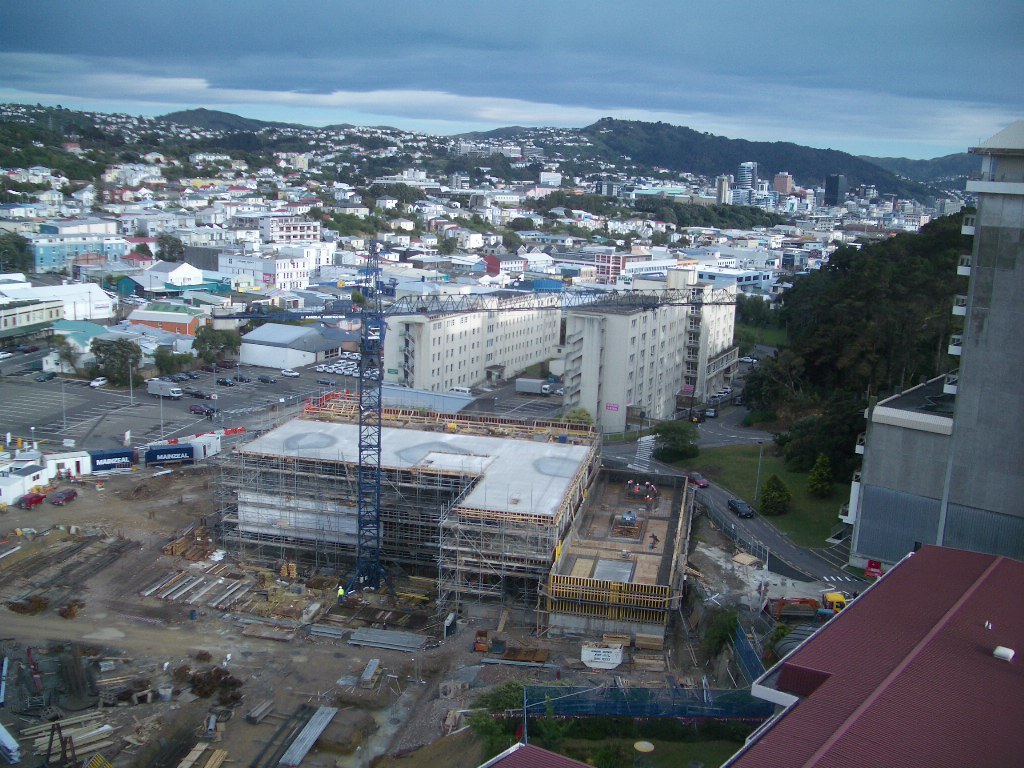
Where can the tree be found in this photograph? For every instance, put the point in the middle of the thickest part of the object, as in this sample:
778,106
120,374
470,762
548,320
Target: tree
67,354
552,731
677,440
211,344
578,416
144,249
775,497
170,248
819,481
446,246
114,359
168,362
15,254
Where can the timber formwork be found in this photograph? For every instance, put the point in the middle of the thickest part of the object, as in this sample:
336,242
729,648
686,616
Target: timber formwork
304,509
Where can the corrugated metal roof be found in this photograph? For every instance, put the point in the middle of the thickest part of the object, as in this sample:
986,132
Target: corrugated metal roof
906,677
529,756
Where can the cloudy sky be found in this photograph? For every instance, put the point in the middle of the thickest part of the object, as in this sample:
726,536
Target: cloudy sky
912,78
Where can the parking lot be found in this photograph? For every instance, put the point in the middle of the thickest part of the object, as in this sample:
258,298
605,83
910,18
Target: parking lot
68,409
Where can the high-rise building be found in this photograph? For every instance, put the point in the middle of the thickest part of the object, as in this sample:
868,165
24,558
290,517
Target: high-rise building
783,183
722,184
942,461
835,189
746,176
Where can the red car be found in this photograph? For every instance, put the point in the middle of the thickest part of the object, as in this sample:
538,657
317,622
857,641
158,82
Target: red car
63,496
698,479
30,500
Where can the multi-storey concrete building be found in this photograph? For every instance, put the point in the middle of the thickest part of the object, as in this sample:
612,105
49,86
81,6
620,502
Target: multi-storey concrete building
942,462
53,253
625,364
438,352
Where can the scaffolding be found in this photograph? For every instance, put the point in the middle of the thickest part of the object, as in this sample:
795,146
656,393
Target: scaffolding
277,506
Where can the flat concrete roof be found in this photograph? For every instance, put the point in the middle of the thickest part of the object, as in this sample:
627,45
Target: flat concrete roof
927,397
525,477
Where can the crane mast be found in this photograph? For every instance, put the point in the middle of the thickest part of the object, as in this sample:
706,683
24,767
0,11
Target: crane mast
368,573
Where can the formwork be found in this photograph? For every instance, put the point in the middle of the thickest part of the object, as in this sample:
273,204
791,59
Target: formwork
480,504
614,577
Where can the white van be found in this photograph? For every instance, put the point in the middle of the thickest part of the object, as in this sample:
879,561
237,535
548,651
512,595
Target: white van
461,391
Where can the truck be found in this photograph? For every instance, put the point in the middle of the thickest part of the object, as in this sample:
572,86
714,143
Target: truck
830,602
161,388
532,387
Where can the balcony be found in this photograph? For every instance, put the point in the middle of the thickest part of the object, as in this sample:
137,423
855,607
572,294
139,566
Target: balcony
956,341
964,267
859,449
950,383
960,305
967,228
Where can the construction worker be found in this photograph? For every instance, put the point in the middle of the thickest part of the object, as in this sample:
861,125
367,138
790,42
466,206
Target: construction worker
341,593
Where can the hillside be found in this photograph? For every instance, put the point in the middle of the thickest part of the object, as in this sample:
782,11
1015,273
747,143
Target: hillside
211,119
938,170
677,148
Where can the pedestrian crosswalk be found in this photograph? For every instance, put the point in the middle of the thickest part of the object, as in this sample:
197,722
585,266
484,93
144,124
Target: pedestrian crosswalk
837,579
644,451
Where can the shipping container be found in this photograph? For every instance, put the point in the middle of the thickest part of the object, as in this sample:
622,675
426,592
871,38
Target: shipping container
170,454
108,461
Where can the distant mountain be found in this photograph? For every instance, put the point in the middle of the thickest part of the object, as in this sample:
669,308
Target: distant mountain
934,171
214,120
683,149
508,132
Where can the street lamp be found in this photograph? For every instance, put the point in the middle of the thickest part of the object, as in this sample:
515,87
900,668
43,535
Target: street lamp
33,440
131,386
63,408
757,483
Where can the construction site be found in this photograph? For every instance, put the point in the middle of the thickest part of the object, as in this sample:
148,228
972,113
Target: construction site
189,596
502,513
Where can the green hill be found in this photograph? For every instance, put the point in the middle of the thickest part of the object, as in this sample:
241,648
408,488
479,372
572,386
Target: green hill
937,170
212,119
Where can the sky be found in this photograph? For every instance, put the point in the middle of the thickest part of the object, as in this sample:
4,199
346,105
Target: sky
910,78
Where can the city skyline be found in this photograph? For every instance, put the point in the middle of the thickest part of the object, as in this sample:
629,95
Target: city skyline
913,80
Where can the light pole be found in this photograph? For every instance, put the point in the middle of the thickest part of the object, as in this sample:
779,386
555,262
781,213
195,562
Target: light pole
131,386
757,483
33,439
63,408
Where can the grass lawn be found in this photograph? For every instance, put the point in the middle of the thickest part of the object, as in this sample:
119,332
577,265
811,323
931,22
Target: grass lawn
666,754
809,521
772,337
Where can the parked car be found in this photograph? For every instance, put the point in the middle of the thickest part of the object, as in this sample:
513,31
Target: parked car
5,354
241,378
48,376
198,394
711,413
267,379
99,381
698,479
202,410
178,378
30,500
327,382
63,496
741,508
191,375
227,363
224,382
210,368
289,373
560,391
28,349
748,359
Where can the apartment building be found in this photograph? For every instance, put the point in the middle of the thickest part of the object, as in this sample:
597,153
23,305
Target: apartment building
267,270
438,352
942,461
626,364
54,253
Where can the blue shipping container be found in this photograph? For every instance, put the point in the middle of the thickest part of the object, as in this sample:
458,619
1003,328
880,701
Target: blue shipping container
170,454
107,461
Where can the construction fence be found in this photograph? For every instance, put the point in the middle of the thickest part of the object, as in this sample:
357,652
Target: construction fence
674,701
727,526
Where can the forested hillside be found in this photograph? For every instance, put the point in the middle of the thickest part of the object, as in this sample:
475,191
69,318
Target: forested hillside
871,323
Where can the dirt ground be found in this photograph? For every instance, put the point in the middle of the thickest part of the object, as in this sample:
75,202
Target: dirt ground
152,641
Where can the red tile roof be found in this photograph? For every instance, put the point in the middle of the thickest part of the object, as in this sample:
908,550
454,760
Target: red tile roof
906,677
529,756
